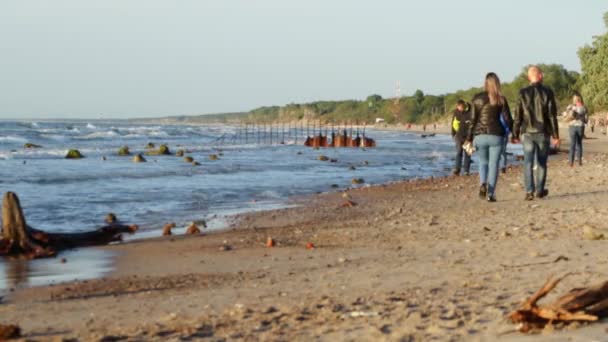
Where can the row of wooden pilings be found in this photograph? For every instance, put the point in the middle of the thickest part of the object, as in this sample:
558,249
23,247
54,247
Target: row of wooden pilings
312,135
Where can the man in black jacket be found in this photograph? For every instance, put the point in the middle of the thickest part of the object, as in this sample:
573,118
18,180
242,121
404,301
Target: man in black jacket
536,122
461,120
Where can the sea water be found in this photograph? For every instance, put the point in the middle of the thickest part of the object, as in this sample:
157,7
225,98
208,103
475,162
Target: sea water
62,195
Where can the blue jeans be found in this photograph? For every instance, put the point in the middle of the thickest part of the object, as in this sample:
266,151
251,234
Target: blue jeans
576,143
489,148
536,148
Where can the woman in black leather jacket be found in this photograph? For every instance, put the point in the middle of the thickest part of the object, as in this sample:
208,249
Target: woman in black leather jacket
491,122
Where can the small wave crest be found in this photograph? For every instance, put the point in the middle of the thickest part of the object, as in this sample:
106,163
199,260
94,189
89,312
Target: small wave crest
10,138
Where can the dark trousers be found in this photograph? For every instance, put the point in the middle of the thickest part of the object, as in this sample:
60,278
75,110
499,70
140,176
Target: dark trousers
460,155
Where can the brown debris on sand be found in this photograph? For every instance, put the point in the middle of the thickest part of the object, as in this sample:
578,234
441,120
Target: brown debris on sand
578,305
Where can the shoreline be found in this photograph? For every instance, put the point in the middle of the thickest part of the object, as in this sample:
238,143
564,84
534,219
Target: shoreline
421,258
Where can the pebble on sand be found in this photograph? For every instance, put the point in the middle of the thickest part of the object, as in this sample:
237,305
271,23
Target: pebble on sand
270,242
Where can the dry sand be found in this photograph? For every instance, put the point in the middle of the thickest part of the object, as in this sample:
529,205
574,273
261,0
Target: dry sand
413,261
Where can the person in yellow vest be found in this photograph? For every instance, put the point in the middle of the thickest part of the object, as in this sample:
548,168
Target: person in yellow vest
461,121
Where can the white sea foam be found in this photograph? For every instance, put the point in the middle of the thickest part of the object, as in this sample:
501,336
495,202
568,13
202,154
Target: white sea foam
98,135
11,138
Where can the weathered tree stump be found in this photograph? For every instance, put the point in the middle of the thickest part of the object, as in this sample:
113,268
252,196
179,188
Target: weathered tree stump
20,240
578,305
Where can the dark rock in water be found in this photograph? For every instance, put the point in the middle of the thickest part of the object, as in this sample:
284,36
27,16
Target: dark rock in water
103,158
179,153
358,181
30,145
162,150
150,145
221,154
323,158
213,157
333,160
111,218
299,153
139,158
195,163
188,159
73,154
335,186
352,168
124,151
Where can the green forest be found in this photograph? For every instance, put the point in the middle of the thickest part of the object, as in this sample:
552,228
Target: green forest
419,107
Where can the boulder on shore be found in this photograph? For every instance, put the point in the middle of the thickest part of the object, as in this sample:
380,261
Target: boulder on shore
73,154
124,151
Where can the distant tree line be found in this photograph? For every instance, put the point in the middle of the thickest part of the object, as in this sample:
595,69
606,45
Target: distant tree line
417,108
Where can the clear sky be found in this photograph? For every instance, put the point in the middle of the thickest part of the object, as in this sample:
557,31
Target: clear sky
134,58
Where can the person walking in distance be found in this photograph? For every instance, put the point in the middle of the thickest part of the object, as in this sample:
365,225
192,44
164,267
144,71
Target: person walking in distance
489,109
576,117
461,121
534,126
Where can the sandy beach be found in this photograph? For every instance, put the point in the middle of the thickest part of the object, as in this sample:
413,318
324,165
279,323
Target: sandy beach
412,261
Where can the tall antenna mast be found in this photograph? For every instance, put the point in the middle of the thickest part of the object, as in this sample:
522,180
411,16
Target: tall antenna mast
397,92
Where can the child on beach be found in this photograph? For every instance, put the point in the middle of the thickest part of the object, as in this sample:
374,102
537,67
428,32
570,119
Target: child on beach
461,121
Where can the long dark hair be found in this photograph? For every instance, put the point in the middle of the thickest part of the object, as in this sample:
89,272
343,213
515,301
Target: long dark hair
492,86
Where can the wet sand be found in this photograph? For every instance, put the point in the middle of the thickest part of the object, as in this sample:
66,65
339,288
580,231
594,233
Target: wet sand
412,261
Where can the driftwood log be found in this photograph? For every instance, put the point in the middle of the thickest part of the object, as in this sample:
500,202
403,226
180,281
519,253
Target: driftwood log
578,305
20,240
